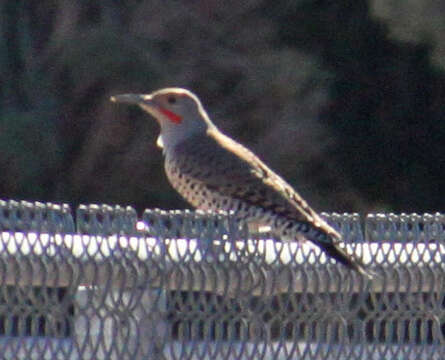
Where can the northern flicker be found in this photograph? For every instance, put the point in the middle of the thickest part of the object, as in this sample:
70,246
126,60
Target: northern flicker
214,172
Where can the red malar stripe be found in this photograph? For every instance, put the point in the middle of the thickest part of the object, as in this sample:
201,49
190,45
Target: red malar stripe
171,115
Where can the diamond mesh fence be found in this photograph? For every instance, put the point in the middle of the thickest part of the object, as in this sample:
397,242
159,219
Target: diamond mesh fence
190,285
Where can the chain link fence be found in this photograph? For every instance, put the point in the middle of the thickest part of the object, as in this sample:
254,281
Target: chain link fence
188,285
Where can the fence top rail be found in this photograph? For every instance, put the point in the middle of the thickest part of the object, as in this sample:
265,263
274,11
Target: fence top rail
260,267
42,244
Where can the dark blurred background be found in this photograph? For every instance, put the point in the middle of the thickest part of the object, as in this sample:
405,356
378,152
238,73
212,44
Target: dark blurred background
345,99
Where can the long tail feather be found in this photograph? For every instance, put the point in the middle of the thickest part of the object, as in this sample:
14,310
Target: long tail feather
347,260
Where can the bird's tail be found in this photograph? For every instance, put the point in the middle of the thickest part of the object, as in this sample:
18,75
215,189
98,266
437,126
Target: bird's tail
340,255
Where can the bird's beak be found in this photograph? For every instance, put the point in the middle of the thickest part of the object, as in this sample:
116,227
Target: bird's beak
146,102
136,99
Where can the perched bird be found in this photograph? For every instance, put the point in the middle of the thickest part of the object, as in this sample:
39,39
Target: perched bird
213,172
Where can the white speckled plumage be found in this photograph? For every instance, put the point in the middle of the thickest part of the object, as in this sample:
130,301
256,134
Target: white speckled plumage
213,172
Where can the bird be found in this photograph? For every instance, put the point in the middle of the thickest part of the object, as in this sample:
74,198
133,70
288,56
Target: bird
213,172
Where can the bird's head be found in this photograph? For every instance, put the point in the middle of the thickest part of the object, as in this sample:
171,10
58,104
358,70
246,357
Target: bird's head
178,111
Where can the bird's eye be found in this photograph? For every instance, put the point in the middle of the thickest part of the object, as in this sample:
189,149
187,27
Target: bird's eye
171,100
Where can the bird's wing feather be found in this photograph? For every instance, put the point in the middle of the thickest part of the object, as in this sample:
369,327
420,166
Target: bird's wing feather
242,175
